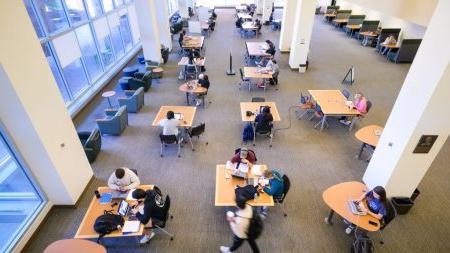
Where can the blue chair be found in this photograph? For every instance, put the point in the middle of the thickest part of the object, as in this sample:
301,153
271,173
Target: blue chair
319,114
346,93
123,83
91,142
134,100
115,121
129,71
141,59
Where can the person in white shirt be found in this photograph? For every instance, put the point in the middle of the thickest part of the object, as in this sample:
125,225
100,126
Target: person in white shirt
273,66
170,125
240,223
123,179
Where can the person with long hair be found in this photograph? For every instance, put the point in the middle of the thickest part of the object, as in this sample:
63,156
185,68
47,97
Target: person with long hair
376,205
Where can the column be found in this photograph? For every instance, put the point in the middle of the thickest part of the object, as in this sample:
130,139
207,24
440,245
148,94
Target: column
420,109
162,16
259,6
301,38
287,25
33,113
148,27
266,10
183,6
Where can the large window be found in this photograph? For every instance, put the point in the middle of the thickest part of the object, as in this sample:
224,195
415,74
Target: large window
83,39
20,200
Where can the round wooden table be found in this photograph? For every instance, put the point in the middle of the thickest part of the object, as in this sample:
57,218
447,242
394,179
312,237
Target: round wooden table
369,135
74,246
107,95
157,72
190,90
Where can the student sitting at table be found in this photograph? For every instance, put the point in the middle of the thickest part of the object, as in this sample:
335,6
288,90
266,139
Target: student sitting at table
258,26
263,121
388,41
275,69
123,179
149,207
181,37
376,205
203,81
244,155
274,187
271,50
239,22
170,125
360,104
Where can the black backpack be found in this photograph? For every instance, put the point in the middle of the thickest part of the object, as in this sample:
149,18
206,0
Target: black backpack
362,244
107,223
256,226
247,192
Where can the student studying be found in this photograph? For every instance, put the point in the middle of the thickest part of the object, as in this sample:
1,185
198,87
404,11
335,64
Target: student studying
123,179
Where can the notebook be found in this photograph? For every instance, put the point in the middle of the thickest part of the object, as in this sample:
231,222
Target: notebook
178,116
256,170
132,226
106,198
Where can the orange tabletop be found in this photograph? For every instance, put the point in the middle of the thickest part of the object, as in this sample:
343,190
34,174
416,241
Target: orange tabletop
249,26
197,61
353,26
337,197
331,15
192,89
95,209
341,20
193,42
244,16
369,134
74,246
187,111
390,45
332,102
204,25
255,107
254,72
369,33
257,48
225,195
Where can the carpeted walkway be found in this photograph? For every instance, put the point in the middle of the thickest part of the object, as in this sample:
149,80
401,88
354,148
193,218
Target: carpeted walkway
313,160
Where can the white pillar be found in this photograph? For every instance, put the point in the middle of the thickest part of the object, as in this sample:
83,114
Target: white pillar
162,15
259,6
148,27
301,38
266,10
287,25
420,109
183,6
33,113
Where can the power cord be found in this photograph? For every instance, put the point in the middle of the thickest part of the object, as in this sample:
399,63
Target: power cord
289,117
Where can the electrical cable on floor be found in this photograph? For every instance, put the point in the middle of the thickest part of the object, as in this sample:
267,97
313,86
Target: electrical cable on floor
289,117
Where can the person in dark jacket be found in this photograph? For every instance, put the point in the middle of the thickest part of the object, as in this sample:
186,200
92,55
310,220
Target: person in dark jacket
264,120
149,205
181,38
203,81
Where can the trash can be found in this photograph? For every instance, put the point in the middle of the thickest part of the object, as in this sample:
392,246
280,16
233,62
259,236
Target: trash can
415,194
402,205
302,68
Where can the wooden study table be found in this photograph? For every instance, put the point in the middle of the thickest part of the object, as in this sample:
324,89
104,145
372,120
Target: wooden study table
193,42
332,103
241,8
244,16
198,62
225,195
257,48
192,89
249,26
368,35
95,209
369,135
337,197
253,72
187,111
353,28
389,46
340,21
255,107
74,246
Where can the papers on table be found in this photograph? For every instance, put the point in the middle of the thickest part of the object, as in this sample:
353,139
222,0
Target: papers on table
243,167
256,170
349,103
131,226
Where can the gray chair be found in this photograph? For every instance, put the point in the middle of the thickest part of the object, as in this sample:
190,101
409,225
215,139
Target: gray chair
346,93
258,99
244,81
115,121
170,139
134,100
190,72
196,131
91,142
406,52
146,78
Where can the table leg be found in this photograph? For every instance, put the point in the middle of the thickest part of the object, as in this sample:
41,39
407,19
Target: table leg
109,102
361,150
324,118
329,218
187,98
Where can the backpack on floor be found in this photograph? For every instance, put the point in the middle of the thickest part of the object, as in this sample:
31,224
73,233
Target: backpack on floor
248,134
107,223
255,227
362,244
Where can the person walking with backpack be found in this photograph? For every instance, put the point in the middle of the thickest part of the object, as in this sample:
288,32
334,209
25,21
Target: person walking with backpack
242,222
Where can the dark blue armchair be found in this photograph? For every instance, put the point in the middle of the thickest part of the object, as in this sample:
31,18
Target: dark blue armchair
92,143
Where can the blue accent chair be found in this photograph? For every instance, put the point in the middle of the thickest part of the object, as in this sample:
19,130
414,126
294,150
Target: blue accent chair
129,71
123,83
115,121
134,100
91,142
141,59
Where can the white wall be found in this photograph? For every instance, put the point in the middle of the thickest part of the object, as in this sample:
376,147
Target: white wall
410,30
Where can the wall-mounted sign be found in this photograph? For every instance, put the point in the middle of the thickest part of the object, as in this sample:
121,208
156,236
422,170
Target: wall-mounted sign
425,144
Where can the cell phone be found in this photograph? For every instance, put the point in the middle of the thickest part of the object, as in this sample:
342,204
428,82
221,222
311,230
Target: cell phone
114,204
373,223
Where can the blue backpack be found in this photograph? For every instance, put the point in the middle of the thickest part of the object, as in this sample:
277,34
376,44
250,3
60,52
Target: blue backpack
248,134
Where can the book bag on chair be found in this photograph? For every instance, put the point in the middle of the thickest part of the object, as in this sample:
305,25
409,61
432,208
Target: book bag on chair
107,223
248,134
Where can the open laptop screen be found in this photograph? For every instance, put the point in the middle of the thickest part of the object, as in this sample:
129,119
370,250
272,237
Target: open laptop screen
123,208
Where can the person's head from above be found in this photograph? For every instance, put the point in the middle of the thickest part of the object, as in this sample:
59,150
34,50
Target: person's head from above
205,77
201,76
170,115
139,194
243,153
120,172
240,201
183,32
274,61
379,193
266,109
359,96
269,42
268,174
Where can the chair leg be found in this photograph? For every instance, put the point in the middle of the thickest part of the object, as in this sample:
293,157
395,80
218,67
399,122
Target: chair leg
179,149
381,235
165,232
162,148
271,138
192,145
282,208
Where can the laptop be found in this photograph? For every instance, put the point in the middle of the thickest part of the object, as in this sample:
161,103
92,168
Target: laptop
124,208
239,174
119,195
354,208
178,116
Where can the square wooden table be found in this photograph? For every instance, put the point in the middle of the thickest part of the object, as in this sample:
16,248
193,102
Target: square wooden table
95,209
332,103
225,195
254,107
187,111
244,16
194,42
257,48
252,72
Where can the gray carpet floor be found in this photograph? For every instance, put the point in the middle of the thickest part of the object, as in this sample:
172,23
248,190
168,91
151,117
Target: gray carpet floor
313,160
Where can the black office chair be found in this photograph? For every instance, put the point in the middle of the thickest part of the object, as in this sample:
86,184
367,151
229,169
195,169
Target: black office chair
196,132
286,187
346,93
264,131
169,139
244,80
258,99
161,224
190,72
390,215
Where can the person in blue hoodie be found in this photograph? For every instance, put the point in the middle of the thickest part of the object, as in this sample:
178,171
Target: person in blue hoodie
274,188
